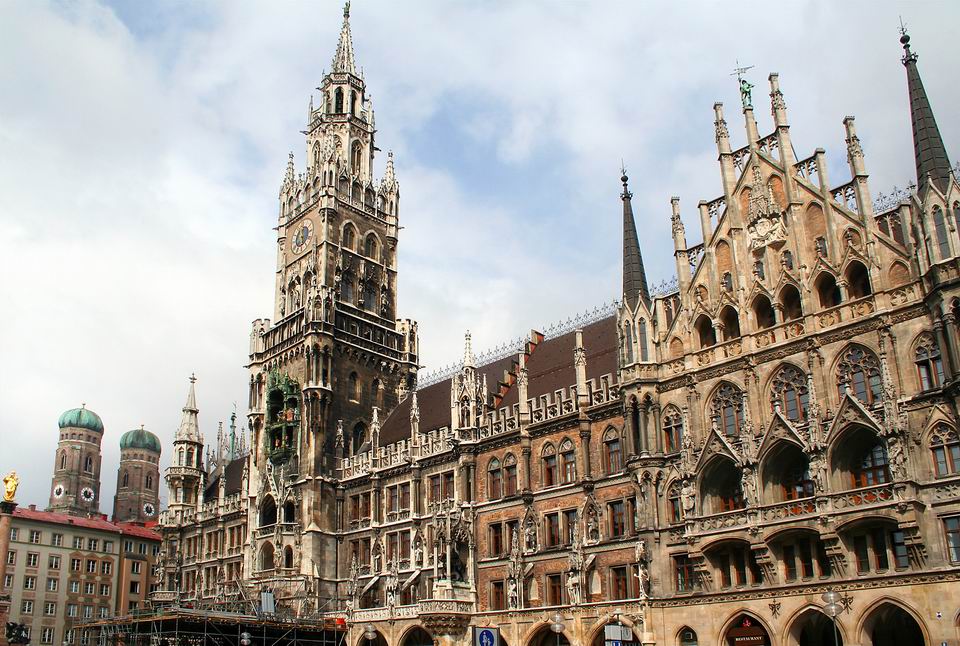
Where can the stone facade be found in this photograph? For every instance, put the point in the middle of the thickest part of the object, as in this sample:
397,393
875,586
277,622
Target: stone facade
697,464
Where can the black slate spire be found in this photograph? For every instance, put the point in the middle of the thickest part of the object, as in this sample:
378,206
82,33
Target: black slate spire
634,277
928,148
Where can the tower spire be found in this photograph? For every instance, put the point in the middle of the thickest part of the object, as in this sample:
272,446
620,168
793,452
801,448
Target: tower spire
343,58
929,151
634,277
189,427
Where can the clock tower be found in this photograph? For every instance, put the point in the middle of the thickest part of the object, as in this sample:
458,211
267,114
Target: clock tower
335,349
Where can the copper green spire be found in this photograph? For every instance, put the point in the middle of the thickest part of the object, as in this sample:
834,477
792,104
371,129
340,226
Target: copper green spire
634,277
929,151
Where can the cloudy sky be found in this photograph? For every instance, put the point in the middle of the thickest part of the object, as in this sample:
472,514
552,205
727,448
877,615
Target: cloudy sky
142,146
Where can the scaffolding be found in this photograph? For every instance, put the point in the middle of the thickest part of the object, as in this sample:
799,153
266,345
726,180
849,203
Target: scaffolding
180,626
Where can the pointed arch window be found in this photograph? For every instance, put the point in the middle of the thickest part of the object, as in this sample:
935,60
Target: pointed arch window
858,280
789,391
705,331
494,480
860,368
349,238
929,363
946,451
612,453
763,312
356,154
797,483
642,339
940,226
509,475
674,505
790,299
126,480
727,409
731,323
371,248
627,344
549,459
63,460
369,297
180,461
827,290
88,464
353,387
359,437
149,482
672,422
338,101
568,462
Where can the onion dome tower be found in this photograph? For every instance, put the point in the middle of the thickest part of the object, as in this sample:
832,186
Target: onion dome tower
75,488
138,478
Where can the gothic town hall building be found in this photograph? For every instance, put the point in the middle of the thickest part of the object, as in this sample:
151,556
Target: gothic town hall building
698,465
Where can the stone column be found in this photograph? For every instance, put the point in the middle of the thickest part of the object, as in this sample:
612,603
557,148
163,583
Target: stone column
6,519
644,438
585,452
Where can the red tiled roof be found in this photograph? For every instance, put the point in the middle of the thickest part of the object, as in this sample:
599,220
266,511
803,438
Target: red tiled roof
98,524
549,368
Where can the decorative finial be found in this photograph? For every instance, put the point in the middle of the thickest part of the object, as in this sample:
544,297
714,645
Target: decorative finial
623,180
346,9
193,377
141,427
83,405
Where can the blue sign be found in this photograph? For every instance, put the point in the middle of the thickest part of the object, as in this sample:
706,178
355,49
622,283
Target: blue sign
486,637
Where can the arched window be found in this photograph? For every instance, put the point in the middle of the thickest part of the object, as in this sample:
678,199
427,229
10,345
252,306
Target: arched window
797,483
288,557
378,393
727,409
642,339
688,637
946,450
731,323
149,482
705,332
827,290
63,460
180,461
494,480
674,505
790,299
266,552
627,344
369,297
356,154
190,461
549,458
612,454
338,100
353,387
929,364
268,512
348,292
721,487
940,226
763,312
860,369
509,475
359,436
788,390
568,462
289,512
126,479
873,468
672,422
349,238
371,249
858,281
88,464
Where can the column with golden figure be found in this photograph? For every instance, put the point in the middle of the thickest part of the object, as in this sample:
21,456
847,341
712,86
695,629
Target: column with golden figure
7,505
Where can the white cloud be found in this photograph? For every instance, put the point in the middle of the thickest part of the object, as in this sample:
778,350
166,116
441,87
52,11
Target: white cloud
142,153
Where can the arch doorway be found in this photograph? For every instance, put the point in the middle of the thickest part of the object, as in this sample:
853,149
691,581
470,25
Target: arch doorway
379,641
747,630
600,639
813,628
891,625
417,637
546,637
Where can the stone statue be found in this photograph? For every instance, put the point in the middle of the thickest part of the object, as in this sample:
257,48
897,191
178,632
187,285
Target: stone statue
573,587
898,466
748,486
513,594
688,498
530,535
10,484
746,94
418,552
593,525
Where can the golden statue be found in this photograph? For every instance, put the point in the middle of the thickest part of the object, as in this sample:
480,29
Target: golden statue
10,483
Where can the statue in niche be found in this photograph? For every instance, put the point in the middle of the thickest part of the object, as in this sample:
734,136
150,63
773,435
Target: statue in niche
530,534
513,594
573,587
688,498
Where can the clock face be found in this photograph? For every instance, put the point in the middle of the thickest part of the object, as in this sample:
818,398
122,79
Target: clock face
58,491
302,236
148,509
87,494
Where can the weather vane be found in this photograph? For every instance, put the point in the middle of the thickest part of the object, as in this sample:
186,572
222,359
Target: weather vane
903,27
745,85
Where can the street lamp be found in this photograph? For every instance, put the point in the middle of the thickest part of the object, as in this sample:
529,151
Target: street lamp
369,632
244,639
832,608
556,625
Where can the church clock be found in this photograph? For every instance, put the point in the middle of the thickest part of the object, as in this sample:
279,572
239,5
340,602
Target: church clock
301,237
